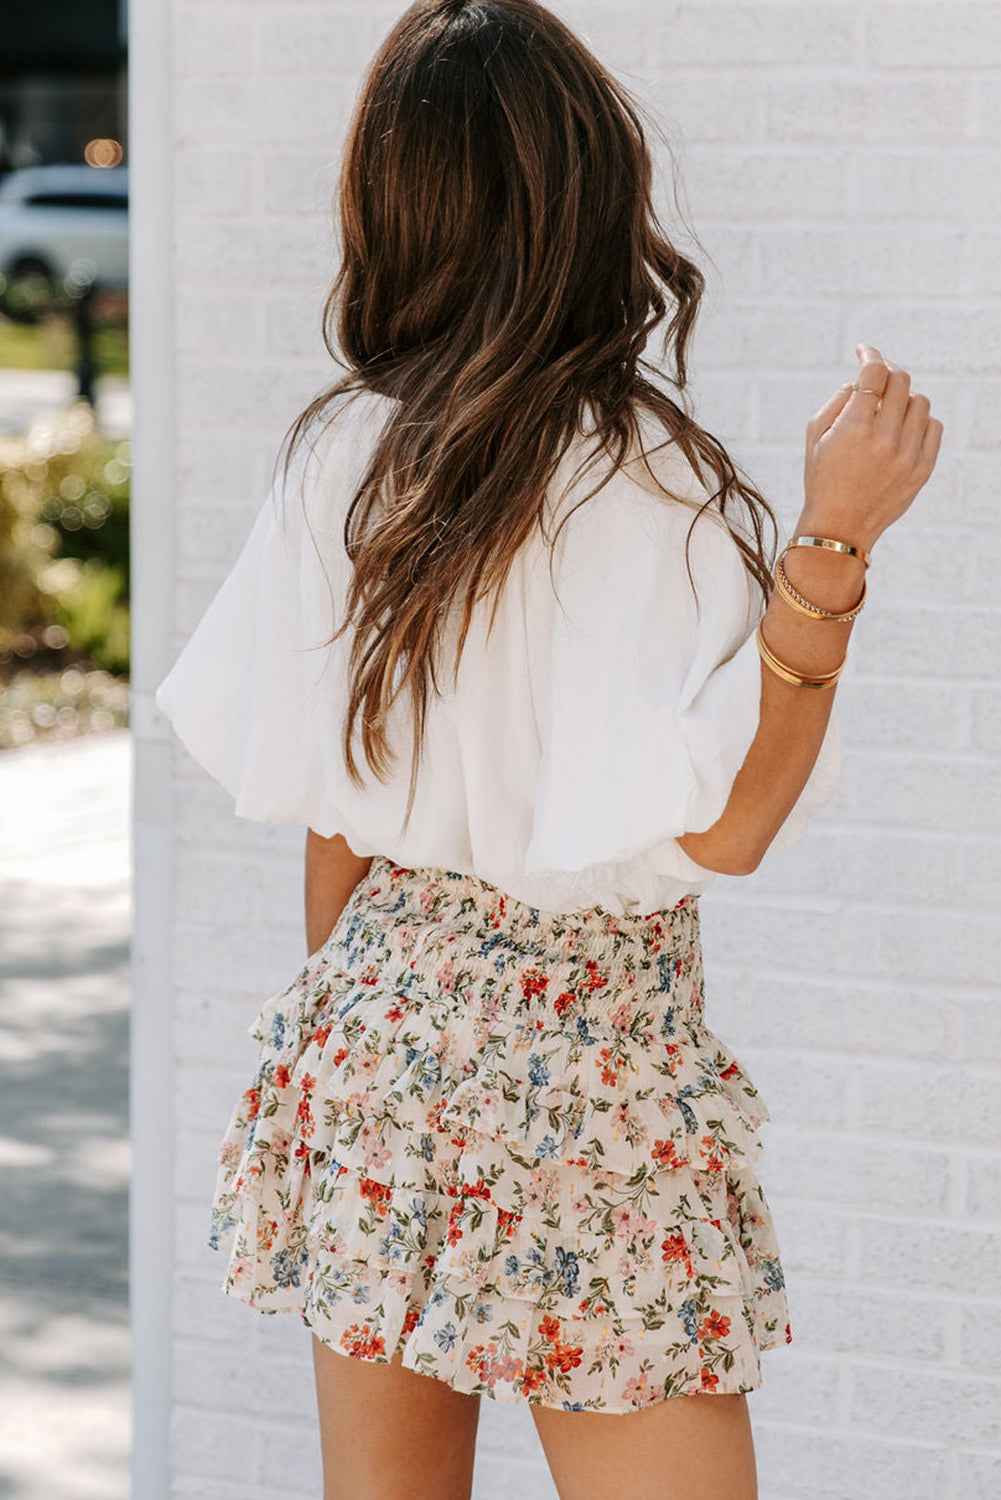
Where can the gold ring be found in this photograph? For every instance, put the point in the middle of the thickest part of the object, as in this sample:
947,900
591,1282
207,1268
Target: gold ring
867,390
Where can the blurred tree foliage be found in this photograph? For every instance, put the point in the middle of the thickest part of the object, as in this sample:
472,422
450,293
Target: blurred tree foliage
64,541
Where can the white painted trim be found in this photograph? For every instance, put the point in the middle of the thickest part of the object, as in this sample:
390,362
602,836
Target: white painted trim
151,1192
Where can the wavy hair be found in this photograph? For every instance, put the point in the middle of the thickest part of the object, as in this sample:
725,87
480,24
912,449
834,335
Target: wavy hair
502,271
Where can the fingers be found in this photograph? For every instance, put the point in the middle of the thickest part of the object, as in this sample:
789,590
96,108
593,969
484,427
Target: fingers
881,400
915,421
896,394
828,413
930,445
870,383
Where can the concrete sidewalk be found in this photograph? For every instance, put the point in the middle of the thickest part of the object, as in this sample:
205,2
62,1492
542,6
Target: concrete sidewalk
65,917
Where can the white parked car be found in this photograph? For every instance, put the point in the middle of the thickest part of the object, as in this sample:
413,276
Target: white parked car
59,220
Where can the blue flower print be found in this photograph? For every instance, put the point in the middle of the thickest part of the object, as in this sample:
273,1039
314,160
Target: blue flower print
278,1030
667,968
286,1266
687,1113
444,1337
483,1312
538,1073
583,1033
689,1321
426,1148
667,1026
566,1266
511,1265
772,1272
546,1147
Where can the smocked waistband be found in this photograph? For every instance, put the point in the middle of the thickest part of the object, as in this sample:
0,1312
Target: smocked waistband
451,898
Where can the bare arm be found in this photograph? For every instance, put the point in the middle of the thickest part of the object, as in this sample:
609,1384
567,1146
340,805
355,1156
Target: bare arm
862,472
331,874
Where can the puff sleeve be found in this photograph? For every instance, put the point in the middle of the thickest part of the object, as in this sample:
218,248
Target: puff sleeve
653,699
248,696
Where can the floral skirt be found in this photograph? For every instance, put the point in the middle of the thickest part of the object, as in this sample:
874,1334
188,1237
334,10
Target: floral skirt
501,1143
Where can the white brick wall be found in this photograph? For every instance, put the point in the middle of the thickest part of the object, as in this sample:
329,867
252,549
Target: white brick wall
842,165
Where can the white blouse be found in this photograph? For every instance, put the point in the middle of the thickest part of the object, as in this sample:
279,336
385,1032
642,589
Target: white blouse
579,742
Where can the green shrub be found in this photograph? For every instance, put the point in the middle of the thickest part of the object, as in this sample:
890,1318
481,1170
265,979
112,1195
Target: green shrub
64,539
94,616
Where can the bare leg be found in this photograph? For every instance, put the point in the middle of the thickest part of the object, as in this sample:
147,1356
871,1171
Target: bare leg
684,1448
387,1433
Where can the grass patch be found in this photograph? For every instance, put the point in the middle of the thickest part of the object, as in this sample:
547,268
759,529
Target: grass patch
51,345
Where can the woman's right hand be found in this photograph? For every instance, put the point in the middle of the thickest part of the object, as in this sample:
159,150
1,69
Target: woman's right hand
864,466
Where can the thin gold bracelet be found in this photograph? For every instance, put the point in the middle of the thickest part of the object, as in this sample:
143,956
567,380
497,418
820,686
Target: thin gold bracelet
805,607
798,679
831,546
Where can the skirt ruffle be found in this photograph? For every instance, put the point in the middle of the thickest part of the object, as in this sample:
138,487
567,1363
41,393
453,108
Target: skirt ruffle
504,1145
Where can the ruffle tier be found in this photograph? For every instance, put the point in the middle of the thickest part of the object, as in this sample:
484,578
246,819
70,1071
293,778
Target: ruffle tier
505,1145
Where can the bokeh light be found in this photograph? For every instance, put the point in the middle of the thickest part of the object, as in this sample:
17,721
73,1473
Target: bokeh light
103,152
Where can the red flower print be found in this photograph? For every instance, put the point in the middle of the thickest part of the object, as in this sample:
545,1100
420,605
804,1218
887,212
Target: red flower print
609,1065
710,1153
715,1326
788,1334
370,975
361,1342
665,1153
730,1072
507,1221
675,1247
565,1357
253,1098
709,1380
550,1328
533,982
454,1232
410,1321
303,1115
532,1379
339,1056
320,1035
282,1076
395,1013
563,1002
491,1366
379,1195
594,981
477,1189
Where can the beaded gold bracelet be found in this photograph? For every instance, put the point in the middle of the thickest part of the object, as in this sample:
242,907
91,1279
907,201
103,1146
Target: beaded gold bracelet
805,606
798,679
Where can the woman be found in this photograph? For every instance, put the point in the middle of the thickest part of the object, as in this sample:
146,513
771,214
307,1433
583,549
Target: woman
495,650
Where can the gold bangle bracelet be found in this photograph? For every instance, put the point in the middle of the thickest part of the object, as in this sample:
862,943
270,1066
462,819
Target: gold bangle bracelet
798,679
830,546
805,607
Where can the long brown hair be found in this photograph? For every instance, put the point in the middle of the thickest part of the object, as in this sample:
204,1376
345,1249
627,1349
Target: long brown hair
502,271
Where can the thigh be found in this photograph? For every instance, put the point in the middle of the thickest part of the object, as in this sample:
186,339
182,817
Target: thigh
388,1433
683,1448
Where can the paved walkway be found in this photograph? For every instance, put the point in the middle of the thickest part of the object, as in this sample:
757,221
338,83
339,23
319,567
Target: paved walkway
65,918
